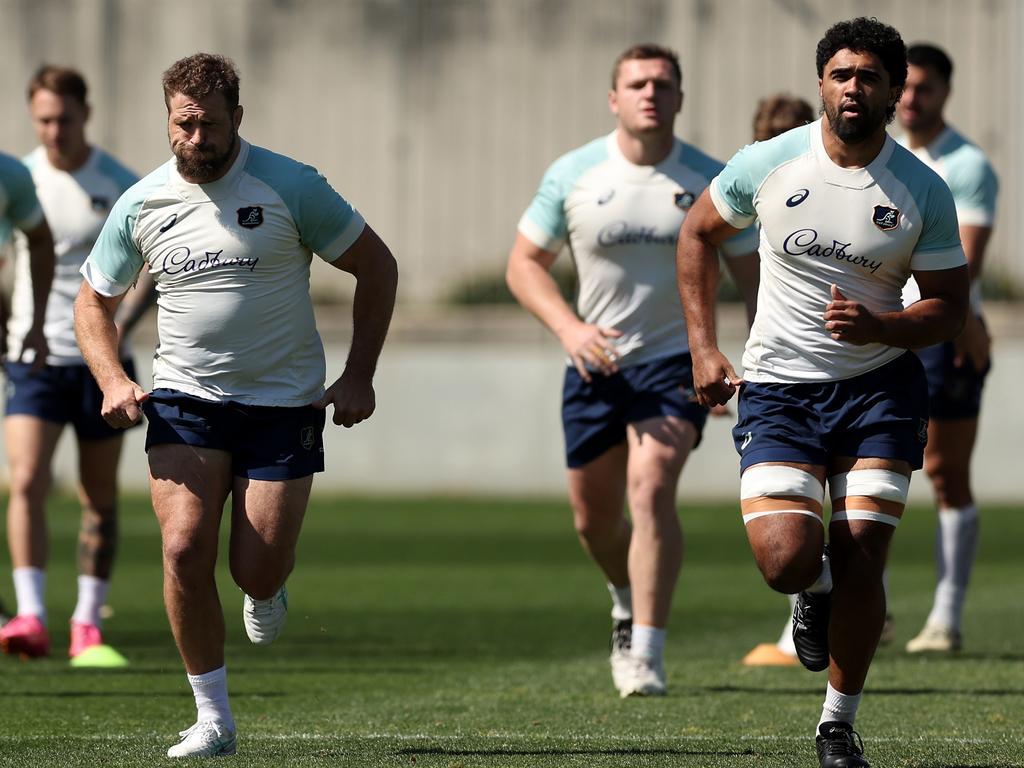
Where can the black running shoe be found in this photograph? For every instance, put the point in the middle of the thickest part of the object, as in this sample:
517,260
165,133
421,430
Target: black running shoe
810,629
839,746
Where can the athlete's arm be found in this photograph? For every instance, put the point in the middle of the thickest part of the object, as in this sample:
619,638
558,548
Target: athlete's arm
746,273
529,278
974,344
703,230
41,264
97,338
370,261
937,317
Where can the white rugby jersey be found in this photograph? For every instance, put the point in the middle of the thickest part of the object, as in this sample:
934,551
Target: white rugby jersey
76,204
621,222
231,264
971,179
19,206
863,229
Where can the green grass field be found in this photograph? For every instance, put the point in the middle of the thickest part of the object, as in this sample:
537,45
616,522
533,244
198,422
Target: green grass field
473,633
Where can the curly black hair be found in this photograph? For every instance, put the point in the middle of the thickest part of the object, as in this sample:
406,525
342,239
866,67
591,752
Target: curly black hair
866,35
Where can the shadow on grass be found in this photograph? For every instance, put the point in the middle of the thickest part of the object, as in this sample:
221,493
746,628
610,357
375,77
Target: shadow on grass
610,752
775,691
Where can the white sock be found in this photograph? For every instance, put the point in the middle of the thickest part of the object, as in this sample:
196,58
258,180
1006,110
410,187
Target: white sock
838,706
92,593
211,692
622,602
785,643
824,583
956,543
29,590
648,642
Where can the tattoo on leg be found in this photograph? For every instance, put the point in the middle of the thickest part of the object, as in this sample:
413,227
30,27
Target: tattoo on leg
97,542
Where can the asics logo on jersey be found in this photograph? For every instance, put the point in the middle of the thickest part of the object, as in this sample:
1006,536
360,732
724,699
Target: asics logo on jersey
181,261
684,200
606,197
797,197
171,220
804,242
885,218
620,233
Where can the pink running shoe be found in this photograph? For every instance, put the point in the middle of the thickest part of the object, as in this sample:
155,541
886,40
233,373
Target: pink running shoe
83,636
25,636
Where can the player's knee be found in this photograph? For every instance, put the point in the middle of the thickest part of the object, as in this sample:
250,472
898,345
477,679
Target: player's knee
185,558
30,481
591,527
790,572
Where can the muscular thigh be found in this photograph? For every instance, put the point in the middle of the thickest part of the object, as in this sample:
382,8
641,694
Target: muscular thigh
189,487
268,513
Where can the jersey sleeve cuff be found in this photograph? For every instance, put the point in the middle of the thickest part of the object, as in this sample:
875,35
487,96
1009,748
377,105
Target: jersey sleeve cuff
975,217
538,236
741,243
344,241
732,217
100,283
33,220
930,261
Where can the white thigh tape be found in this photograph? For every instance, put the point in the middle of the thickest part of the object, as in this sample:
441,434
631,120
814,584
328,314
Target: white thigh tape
754,515
881,484
863,514
777,480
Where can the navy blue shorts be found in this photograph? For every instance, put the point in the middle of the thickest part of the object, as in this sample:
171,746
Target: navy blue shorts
265,442
595,415
880,414
64,394
953,393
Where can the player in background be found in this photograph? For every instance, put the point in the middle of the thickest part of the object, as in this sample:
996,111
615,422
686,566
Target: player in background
238,405
775,115
830,388
20,210
956,369
77,184
628,411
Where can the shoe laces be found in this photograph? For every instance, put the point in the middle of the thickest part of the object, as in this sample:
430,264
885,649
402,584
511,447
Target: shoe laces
843,742
622,635
202,728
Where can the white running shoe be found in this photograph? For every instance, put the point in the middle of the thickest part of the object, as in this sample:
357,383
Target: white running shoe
620,658
264,619
645,677
207,738
935,638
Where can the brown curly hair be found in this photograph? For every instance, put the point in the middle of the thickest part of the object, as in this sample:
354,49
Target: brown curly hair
779,113
201,74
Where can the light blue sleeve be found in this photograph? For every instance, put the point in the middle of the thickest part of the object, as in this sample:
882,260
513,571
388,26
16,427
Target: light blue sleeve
974,185
23,210
544,222
743,242
328,225
939,245
115,259
734,190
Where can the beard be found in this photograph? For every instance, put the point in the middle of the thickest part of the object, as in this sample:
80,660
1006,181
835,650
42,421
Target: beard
200,167
857,129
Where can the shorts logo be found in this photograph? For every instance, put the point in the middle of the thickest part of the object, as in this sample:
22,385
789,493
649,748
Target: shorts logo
306,438
747,437
606,197
684,200
250,217
885,218
922,430
797,197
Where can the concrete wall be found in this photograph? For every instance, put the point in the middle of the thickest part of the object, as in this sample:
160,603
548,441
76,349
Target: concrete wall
438,117
476,410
